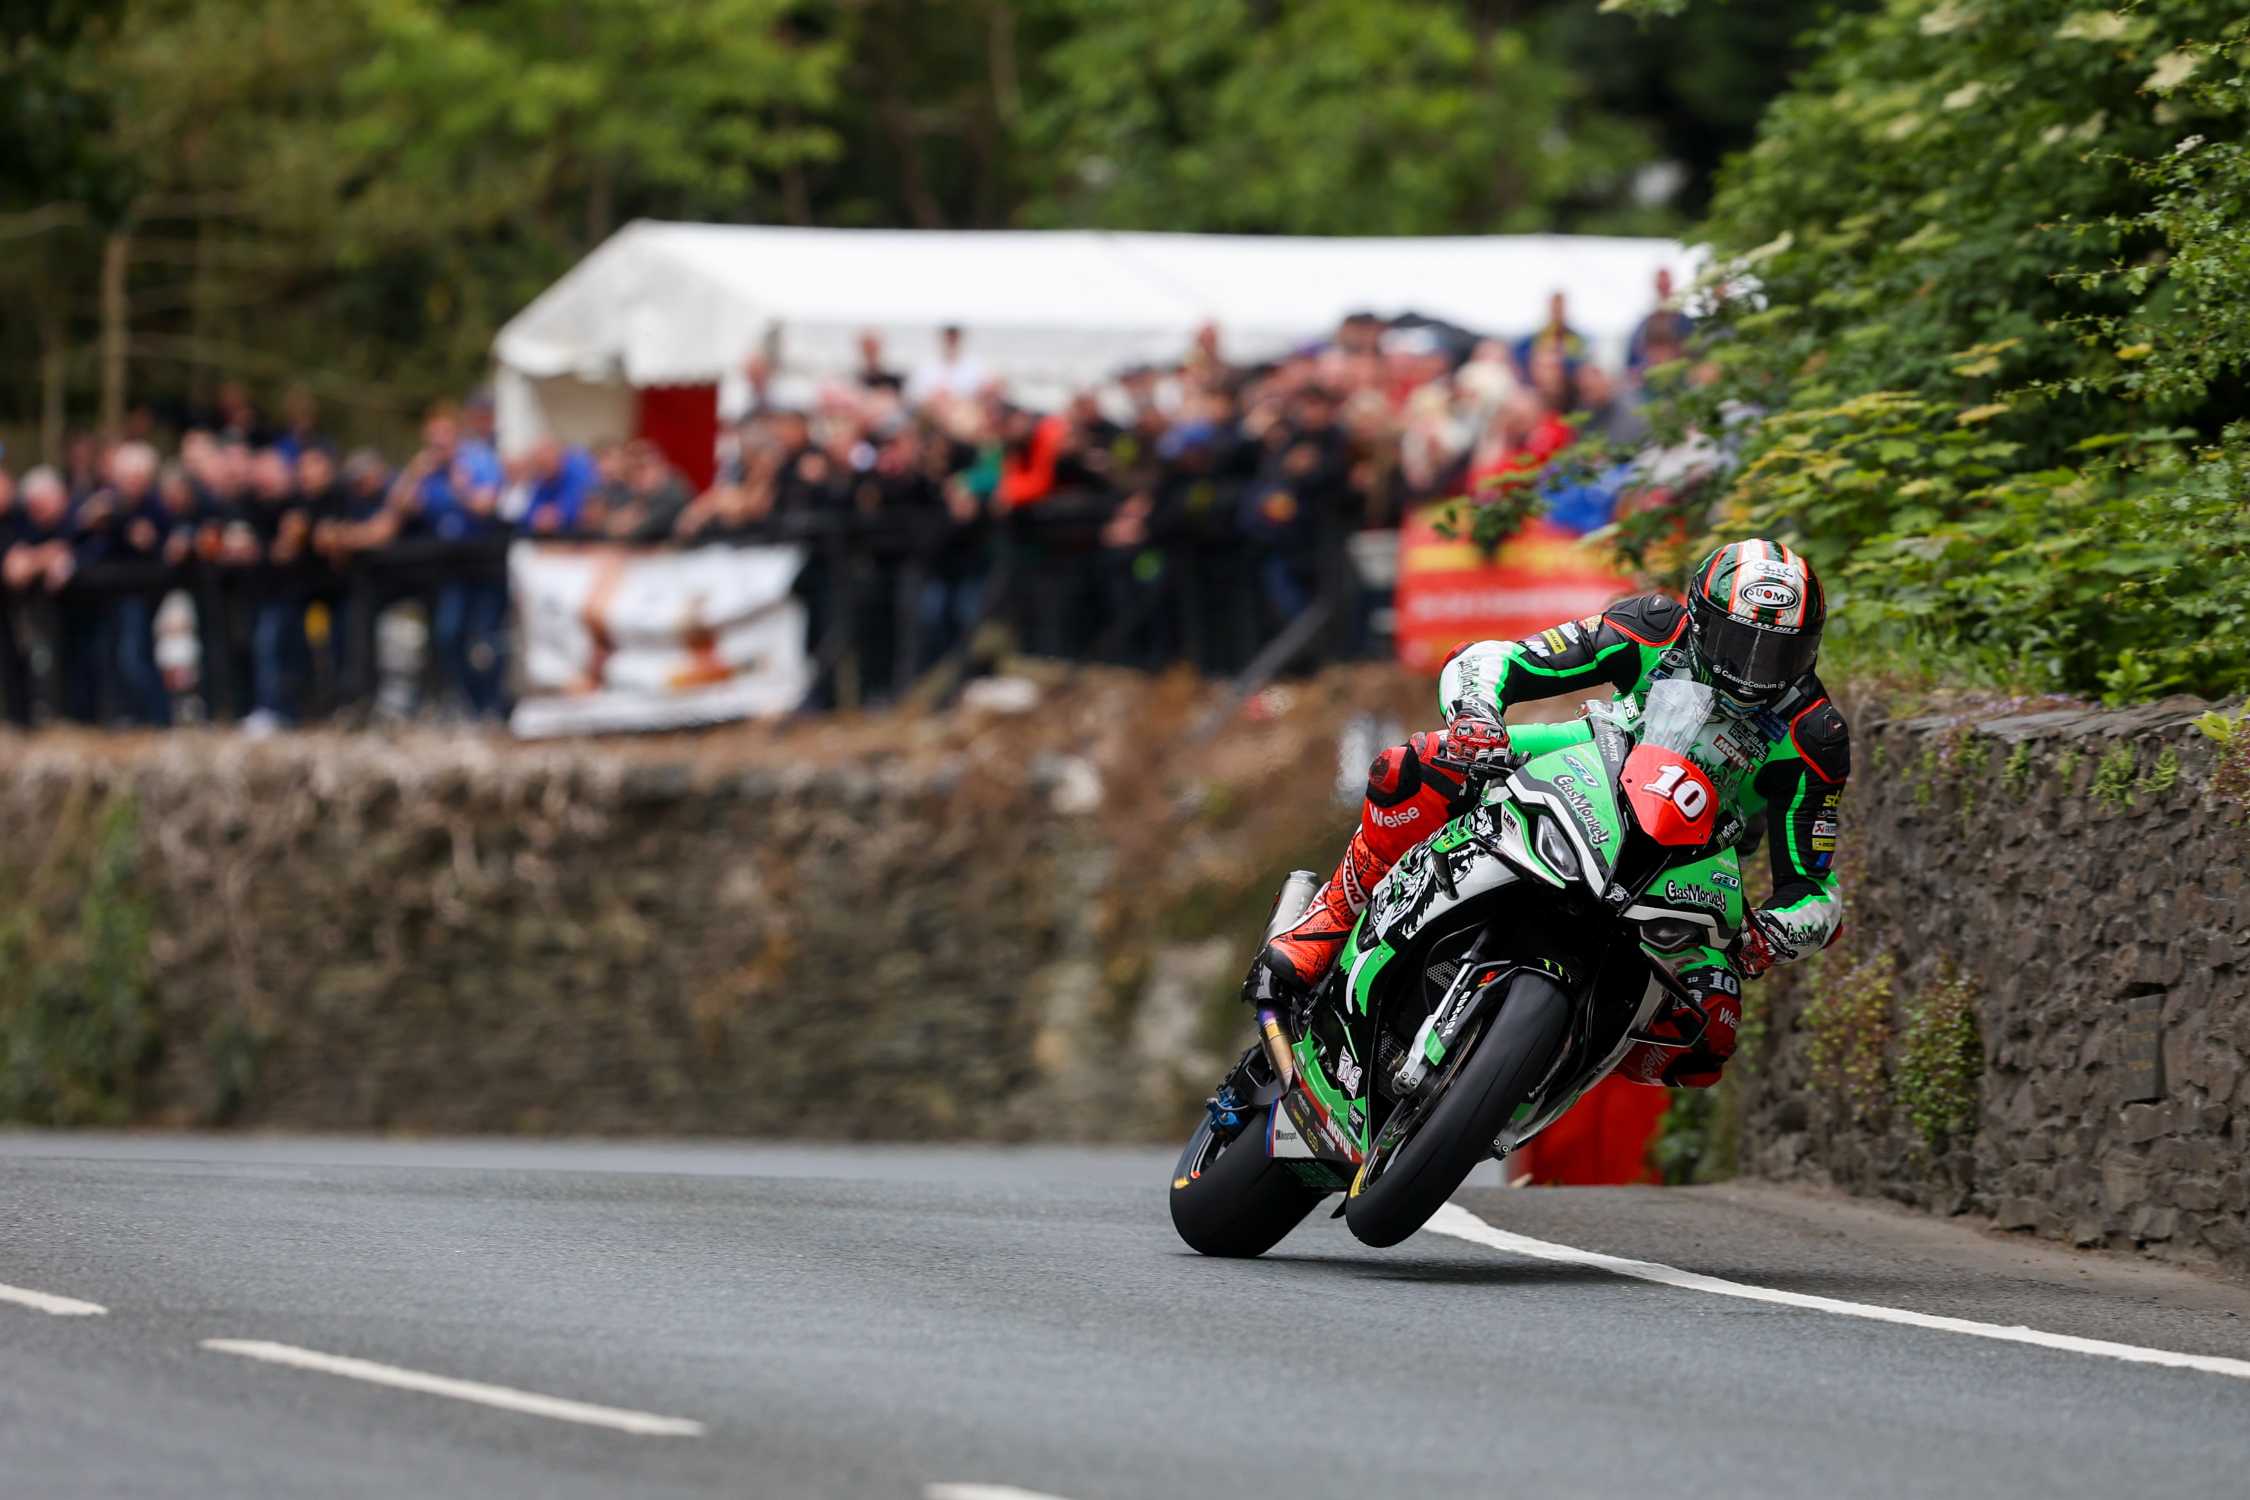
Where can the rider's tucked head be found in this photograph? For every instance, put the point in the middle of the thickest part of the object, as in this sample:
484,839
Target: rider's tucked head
1754,615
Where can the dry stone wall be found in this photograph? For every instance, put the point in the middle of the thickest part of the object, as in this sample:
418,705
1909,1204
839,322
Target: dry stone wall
972,926
2039,1012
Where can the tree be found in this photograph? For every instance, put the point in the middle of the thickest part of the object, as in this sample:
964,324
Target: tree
1988,302
1322,117
358,193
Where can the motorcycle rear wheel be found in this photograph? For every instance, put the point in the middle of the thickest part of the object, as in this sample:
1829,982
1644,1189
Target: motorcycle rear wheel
1510,1060
1230,1198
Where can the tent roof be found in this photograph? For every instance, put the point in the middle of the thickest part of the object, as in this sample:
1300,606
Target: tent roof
661,304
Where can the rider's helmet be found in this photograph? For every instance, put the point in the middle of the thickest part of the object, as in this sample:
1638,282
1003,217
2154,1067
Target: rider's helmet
1754,615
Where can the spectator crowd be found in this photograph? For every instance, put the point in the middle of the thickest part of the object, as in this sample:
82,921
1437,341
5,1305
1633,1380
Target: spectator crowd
262,524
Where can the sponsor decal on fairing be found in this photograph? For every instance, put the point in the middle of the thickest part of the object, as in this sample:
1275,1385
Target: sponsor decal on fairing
1694,895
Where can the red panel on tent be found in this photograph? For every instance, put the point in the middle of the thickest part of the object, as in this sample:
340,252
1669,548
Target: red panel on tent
683,420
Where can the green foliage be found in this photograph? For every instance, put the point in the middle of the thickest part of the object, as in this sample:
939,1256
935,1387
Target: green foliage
1699,1138
2230,778
1925,778
75,1029
2226,731
1971,754
2016,774
1230,115
2161,777
2113,777
2000,339
1497,514
1941,1062
1847,1021
354,194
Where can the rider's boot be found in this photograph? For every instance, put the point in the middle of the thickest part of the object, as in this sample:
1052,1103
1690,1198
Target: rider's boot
1410,794
1300,955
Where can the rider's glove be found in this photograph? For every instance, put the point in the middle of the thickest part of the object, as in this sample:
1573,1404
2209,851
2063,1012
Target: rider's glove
1475,741
1754,953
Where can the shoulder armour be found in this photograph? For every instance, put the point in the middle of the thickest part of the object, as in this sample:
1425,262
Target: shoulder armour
1822,741
1651,619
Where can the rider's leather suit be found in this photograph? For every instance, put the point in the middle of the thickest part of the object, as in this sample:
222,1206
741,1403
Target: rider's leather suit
1787,763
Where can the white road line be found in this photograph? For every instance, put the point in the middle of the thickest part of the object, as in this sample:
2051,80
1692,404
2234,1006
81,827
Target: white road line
640,1423
982,1492
1461,1224
48,1302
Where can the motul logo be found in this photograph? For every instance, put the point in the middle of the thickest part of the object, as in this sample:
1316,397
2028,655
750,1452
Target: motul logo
1397,819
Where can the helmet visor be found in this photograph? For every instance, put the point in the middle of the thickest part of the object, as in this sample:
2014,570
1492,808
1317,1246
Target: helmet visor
1756,661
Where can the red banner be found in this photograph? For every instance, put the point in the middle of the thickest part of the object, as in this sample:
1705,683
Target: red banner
1450,592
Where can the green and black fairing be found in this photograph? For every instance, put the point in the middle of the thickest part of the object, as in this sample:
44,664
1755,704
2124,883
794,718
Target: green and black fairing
1539,875
1781,768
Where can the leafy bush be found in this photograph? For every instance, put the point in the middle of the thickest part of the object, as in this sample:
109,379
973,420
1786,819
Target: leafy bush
75,1028
1848,1025
1986,361
1941,1062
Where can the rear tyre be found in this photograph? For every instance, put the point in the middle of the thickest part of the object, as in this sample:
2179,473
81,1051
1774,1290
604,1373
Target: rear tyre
1503,1067
1230,1198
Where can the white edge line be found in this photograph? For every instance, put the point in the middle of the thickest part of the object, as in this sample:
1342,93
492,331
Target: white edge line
48,1302
982,1492
640,1423
1458,1222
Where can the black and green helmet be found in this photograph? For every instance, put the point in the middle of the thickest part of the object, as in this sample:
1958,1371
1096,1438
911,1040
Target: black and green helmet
1754,615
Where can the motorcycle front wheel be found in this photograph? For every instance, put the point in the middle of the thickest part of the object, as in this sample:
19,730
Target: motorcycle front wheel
1407,1177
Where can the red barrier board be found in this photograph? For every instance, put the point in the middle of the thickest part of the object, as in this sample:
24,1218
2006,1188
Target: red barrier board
1604,1141
1449,591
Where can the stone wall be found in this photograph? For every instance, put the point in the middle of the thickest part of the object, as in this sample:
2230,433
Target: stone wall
2039,1012
984,925
1000,926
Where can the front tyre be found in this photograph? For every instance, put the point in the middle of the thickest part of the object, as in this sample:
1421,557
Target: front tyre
1230,1198
1399,1188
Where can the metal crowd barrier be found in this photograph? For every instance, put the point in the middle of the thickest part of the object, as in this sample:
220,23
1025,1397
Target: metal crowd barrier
889,598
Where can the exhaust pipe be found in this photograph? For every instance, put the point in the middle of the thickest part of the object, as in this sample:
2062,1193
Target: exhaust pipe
1289,903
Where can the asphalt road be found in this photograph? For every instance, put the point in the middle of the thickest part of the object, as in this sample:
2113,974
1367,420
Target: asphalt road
841,1322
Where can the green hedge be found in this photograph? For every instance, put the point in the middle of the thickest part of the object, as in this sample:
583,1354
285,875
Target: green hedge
1984,346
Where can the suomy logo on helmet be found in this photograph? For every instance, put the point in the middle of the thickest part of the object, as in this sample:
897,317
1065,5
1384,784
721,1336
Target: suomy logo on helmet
1770,595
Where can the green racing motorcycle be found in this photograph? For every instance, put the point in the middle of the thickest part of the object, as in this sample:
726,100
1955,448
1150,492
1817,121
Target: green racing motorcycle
1500,970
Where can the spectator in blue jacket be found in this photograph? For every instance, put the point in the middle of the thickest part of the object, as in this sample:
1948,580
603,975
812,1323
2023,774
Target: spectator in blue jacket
564,484
453,484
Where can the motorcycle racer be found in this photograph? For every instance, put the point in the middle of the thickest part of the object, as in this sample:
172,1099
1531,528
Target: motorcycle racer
1778,746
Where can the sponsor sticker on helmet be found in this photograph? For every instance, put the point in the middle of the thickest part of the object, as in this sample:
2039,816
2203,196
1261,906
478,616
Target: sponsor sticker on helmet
1770,595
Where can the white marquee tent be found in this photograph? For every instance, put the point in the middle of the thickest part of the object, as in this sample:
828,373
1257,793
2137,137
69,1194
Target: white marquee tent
668,305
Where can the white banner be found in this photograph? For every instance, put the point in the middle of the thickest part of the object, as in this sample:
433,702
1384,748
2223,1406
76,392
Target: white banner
620,639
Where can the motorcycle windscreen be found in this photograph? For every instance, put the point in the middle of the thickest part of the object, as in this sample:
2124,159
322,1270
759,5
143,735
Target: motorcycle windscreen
1673,802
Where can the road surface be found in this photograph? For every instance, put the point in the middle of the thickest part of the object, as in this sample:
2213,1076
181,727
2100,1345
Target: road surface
339,1317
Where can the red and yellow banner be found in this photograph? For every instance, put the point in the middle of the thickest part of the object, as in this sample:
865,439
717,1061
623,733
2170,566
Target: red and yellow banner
1450,592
